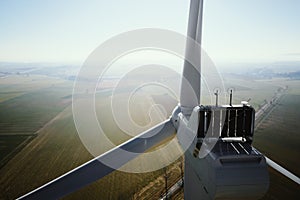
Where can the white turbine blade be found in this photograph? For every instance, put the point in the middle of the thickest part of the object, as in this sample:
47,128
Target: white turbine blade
282,170
191,73
94,169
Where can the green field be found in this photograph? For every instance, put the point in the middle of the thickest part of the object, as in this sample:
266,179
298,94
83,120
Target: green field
278,138
44,110
14,86
26,105
282,128
27,113
57,149
10,145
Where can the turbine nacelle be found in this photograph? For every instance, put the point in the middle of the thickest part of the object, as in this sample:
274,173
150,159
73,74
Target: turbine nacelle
221,162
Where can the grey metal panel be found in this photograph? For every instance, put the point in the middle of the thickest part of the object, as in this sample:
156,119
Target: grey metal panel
226,174
94,169
193,186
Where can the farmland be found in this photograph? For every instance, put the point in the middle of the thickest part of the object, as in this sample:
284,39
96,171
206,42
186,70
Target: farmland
40,108
56,147
56,150
26,105
278,138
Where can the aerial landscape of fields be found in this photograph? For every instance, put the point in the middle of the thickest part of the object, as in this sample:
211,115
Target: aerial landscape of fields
39,141
48,144
277,136
144,87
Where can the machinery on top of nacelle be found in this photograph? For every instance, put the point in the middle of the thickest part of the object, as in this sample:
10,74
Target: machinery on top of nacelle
226,121
232,168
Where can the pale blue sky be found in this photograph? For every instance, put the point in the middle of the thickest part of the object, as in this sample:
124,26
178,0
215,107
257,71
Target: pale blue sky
67,31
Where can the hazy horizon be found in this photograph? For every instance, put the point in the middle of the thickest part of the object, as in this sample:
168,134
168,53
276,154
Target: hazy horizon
68,31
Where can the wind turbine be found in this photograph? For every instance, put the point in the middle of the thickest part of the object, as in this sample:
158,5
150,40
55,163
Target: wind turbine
220,162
